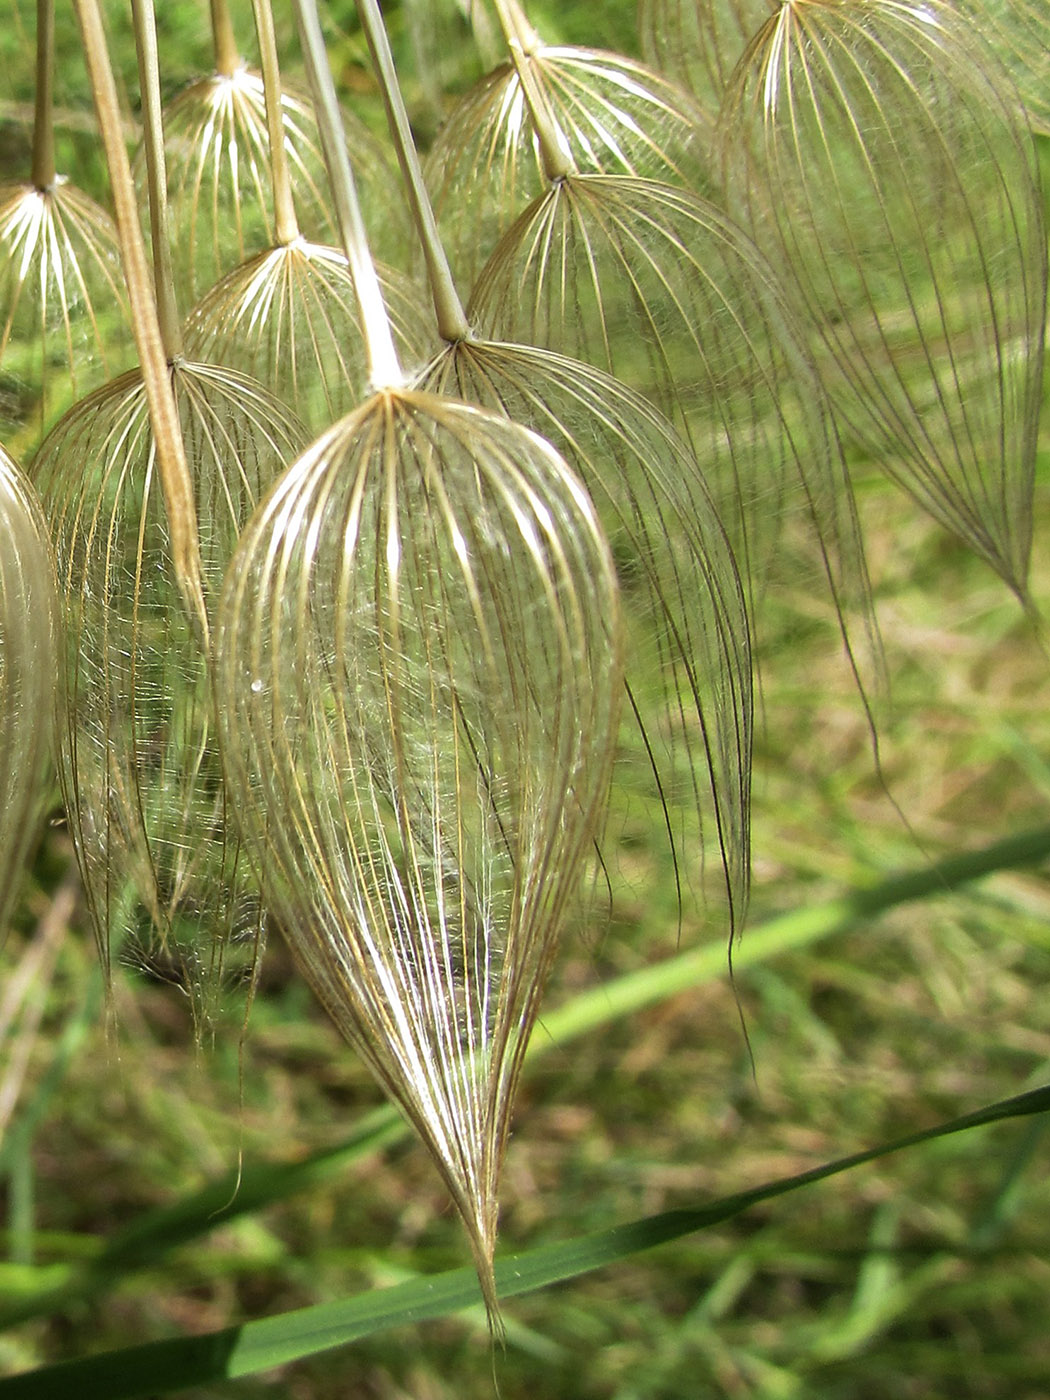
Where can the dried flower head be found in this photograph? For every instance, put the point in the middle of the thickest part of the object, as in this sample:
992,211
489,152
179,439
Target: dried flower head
688,653
418,670
163,873
1019,32
899,196
665,292
63,309
612,116
289,318
700,42
219,189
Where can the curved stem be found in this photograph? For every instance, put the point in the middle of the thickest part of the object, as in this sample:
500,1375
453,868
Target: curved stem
286,224
156,175
451,318
227,55
523,41
43,174
384,370
164,418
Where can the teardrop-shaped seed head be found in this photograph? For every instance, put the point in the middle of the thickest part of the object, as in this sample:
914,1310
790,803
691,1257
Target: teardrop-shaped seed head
699,42
27,672
612,116
219,177
418,668
662,290
688,654
63,308
898,194
289,318
166,883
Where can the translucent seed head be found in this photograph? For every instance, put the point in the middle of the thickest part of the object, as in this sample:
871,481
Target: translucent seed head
612,116
63,309
1019,32
898,194
219,178
688,654
289,318
419,672
661,289
700,42
166,882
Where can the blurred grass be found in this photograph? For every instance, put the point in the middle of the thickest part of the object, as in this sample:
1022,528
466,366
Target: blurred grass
921,1276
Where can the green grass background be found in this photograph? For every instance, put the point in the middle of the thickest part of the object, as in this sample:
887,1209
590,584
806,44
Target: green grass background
921,1276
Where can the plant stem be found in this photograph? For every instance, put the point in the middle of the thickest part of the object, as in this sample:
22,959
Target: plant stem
286,224
516,27
43,174
156,176
227,55
174,471
451,318
522,40
384,370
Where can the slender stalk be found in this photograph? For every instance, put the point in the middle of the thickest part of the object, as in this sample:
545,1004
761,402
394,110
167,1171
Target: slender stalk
227,55
384,370
522,40
515,25
171,455
286,224
451,318
156,178
43,174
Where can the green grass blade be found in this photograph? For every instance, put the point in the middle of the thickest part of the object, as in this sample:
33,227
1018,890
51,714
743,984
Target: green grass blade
797,929
148,1238
151,1235
162,1367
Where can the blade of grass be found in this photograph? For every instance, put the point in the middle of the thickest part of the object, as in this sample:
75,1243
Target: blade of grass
157,1368
154,1233
782,934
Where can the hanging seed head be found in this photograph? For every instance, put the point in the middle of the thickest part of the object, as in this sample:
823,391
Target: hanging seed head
662,290
289,318
900,200
63,308
612,116
418,670
164,876
219,184
27,670
688,655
